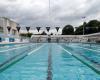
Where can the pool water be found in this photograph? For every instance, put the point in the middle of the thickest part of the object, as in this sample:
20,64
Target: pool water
49,61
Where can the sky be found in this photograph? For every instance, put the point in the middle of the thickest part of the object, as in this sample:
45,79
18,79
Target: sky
56,13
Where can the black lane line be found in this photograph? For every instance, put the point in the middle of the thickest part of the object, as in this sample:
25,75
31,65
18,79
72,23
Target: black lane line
87,64
14,62
12,58
49,71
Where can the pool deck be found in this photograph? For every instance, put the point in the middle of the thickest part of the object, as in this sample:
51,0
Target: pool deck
13,42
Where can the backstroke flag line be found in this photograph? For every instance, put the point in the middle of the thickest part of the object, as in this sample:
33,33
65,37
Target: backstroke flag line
9,28
48,28
27,28
57,28
38,28
18,29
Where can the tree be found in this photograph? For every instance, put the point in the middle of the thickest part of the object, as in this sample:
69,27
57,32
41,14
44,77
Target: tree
26,34
93,23
92,26
68,30
79,30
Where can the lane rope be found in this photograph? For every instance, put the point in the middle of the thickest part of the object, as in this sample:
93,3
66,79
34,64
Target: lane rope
14,48
36,50
65,50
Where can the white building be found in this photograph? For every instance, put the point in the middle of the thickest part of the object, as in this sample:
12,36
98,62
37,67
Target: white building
4,23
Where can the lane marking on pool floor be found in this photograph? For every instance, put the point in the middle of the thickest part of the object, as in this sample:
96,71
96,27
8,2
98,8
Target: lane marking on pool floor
89,49
14,48
15,45
90,66
35,50
2,68
49,70
65,50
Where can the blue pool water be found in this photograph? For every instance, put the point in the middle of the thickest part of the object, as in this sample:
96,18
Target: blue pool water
50,61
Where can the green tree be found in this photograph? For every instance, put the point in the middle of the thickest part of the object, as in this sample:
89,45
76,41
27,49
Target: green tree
79,30
68,30
92,26
26,34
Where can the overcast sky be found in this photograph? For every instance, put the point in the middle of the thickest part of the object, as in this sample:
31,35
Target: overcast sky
62,12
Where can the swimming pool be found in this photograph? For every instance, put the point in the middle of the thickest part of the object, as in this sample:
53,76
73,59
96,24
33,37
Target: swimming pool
50,61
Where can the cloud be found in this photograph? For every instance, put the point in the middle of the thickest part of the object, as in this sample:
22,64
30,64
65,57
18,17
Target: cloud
62,12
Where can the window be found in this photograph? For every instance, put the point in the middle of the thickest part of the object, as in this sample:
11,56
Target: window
1,29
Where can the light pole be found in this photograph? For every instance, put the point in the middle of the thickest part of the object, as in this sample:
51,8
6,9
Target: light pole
84,24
